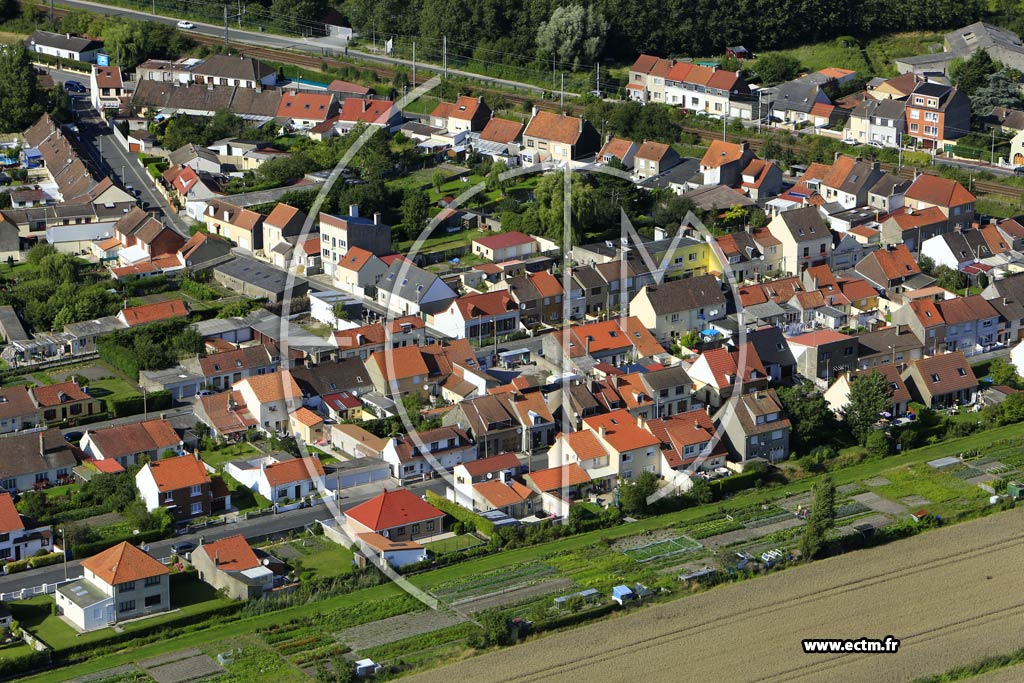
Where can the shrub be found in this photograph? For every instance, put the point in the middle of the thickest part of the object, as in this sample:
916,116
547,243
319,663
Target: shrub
736,482
17,566
45,560
134,405
467,517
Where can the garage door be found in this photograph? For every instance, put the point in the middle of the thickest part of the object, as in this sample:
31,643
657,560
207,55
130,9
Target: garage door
134,147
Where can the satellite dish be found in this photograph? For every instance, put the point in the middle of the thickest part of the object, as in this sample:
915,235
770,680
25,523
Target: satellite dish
384,533
490,475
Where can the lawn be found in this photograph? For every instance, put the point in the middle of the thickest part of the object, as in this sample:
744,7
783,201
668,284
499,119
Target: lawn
922,480
450,545
15,650
319,557
188,596
112,389
216,457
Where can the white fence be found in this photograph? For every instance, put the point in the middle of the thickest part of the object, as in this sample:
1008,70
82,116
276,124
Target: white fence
43,589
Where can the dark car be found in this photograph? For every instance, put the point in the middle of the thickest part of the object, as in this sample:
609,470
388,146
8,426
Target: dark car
183,548
73,437
74,86
1019,170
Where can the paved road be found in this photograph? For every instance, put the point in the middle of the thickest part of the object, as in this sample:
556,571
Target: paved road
316,46
250,528
124,168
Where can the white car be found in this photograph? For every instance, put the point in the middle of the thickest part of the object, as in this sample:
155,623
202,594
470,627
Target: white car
186,24
850,141
876,144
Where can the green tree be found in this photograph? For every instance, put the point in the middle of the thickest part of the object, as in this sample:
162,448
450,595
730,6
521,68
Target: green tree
494,180
438,179
820,519
415,210
1003,373
812,419
1001,90
574,35
700,492
776,67
633,494
970,74
23,100
948,278
870,396
878,444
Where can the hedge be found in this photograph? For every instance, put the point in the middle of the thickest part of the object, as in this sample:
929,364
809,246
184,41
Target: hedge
133,405
22,664
83,550
17,566
61,62
45,560
736,482
484,526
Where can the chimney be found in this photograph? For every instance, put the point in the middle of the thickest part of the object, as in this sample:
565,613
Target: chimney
376,218
600,430
581,123
353,210
216,559
42,446
533,112
641,422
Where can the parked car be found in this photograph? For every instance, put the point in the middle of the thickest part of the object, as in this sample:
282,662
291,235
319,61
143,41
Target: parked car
74,86
73,437
204,392
876,144
183,548
1019,170
850,141
186,24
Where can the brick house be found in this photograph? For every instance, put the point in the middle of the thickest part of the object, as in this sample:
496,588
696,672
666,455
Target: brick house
181,484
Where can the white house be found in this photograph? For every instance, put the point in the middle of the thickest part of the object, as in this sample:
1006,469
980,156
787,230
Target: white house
417,456
478,316
270,398
120,583
502,467
64,46
279,477
406,289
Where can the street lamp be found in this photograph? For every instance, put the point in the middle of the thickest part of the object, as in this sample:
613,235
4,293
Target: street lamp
63,551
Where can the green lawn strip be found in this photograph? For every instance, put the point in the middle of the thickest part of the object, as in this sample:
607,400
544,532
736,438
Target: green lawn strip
859,472
220,631
15,650
449,545
323,558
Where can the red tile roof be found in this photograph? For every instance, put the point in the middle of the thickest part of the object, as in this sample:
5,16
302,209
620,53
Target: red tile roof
558,477
224,419
312,106
180,472
296,469
367,111
499,494
644,64
495,463
725,364
385,545
615,147
486,304
307,417
10,520
463,109
721,153
392,509
273,386
151,313
404,362
123,563
232,554
282,215
621,430
355,258
896,262
502,131
819,338
348,87
547,125
652,150
584,444
908,219
137,437
55,394
546,283
938,191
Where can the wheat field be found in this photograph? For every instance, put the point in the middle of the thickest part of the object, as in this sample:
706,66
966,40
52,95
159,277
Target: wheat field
951,596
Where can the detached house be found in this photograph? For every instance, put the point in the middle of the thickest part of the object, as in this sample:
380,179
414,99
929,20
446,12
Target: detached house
942,381
63,401
119,584
618,148
17,541
230,565
127,444
180,484
396,515
504,246
937,114
558,139
756,427
653,158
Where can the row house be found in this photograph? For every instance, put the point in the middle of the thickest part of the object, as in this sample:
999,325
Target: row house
242,226
35,459
688,443
674,308
804,236
937,115
558,139
838,395
942,381
280,477
647,79
222,370
131,443
718,373
949,196
358,272
491,315
882,122
406,289
418,456
616,342
824,353
707,89
756,427
360,342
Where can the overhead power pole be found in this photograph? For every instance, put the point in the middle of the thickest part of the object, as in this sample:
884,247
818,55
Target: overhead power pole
225,26
414,63
562,105
445,49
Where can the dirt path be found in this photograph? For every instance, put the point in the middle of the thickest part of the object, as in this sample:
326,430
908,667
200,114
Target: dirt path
397,628
749,534
951,596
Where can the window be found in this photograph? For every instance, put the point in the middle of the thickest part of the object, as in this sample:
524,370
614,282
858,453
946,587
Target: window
415,528
776,435
195,491
152,581
153,600
197,508
127,586
691,257
628,474
430,526
168,497
126,606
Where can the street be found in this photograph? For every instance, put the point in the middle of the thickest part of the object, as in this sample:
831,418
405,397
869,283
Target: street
250,528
